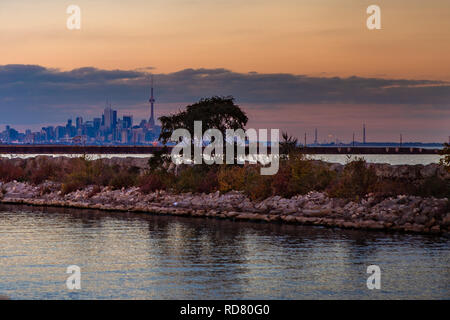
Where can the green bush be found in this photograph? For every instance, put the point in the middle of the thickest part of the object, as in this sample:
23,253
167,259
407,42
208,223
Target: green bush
355,181
308,175
82,172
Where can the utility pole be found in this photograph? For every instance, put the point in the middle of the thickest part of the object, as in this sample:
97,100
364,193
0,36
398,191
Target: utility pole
353,141
401,139
305,139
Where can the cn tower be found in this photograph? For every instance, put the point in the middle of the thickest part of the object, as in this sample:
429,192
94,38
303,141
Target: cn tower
151,121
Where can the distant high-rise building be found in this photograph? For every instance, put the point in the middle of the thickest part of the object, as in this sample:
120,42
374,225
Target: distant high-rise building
114,119
364,133
127,122
151,121
143,123
109,115
97,123
70,129
124,136
79,122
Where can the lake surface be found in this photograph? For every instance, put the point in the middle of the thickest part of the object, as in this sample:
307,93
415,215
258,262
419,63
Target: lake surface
141,256
394,159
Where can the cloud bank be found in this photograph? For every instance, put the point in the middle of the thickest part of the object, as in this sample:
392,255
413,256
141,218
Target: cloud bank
35,94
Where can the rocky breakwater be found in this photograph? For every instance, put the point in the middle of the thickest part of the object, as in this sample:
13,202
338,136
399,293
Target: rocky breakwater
400,213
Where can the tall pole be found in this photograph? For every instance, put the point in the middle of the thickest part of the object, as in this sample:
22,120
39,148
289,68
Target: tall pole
364,133
353,141
305,139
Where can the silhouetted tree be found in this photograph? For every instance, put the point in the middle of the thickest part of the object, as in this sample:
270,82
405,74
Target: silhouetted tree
215,113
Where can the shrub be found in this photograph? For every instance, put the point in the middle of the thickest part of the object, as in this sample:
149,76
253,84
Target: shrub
209,183
434,187
392,187
308,175
281,181
197,179
43,169
231,178
257,186
188,179
10,172
156,180
71,186
124,178
355,181
82,172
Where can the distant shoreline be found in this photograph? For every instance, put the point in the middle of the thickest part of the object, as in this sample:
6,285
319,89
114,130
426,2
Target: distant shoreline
77,149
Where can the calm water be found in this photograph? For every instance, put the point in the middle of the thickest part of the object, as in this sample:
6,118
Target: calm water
139,256
393,159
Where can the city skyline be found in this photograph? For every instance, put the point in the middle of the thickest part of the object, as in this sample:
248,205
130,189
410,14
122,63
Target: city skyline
107,129
110,129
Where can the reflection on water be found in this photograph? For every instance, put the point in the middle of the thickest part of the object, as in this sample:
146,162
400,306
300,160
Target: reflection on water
139,256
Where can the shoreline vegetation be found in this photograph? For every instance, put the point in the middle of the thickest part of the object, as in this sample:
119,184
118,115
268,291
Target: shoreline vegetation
357,195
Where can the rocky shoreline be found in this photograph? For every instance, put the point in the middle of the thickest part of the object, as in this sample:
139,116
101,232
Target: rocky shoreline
402,213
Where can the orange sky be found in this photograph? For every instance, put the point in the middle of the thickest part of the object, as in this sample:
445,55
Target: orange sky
314,37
